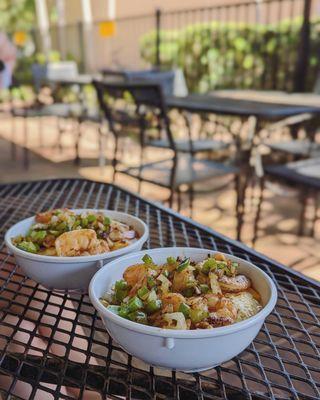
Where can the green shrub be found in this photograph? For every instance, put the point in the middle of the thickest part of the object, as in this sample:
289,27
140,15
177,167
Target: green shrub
228,55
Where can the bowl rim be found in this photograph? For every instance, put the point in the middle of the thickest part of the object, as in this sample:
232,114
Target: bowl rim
76,259
186,334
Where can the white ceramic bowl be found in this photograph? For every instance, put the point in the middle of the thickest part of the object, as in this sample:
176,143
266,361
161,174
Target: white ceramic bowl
70,273
186,350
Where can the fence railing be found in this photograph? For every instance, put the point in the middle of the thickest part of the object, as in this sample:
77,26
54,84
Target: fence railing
261,44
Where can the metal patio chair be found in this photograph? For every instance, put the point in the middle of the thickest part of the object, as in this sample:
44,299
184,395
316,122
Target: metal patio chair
303,175
182,168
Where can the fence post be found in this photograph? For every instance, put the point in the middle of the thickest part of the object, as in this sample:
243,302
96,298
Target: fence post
301,70
158,40
82,54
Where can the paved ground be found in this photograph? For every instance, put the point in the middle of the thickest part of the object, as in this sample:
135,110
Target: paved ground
279,216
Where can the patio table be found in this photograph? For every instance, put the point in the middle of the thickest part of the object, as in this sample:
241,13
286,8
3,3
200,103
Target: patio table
232,106
281,363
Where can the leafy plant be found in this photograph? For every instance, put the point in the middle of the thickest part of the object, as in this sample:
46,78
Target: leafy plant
229,55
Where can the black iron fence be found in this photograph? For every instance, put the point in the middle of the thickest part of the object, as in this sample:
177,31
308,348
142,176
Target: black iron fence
261,44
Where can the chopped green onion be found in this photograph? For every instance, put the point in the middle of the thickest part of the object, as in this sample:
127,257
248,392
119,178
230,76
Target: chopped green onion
171,260
153,306
208,265
151,282
204,288
120,290
166,273
147,259
138,316
113,309
120,285
84,222
183,265
123,311
134,304
143,293
185,309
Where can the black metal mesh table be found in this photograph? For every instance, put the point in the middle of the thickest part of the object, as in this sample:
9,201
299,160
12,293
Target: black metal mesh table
281,363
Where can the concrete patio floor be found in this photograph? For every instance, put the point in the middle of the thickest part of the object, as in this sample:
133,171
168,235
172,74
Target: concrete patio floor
277,238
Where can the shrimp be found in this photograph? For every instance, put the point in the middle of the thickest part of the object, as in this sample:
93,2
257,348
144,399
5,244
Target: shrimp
225,314
212,300
135,276
80,242
234,284
172,301
45,217
182,280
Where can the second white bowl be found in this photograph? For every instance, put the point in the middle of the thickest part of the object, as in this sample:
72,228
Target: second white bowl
187,350
70,273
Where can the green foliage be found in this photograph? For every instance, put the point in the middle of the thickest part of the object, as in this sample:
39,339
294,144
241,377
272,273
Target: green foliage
17,14
229,55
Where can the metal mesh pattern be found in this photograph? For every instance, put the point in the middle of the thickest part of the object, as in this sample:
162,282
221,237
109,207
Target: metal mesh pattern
75,351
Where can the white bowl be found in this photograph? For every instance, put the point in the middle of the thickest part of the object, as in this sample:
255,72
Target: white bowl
186,350
70,273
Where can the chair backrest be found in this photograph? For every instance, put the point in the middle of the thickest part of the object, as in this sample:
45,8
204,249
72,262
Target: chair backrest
146,97
163,78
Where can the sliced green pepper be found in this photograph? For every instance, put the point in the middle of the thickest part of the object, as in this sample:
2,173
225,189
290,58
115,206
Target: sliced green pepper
185,309
198,315
91,218
28,246
188,292
153,306
106,221
38,236
183,265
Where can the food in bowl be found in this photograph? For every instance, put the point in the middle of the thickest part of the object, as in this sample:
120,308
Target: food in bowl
183,294
64,233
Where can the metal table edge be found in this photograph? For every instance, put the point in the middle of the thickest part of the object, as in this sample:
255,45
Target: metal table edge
175,214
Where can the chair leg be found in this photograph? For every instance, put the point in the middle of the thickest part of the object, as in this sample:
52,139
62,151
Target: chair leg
77,144
115,161
304,202
240,189
13,144
171,197
25,146
102,160
191,199
258,213
178,199
315,214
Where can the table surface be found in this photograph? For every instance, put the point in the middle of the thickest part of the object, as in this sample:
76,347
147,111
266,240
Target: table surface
304,172
281,363
230,105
